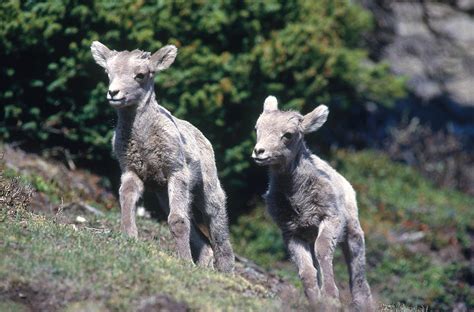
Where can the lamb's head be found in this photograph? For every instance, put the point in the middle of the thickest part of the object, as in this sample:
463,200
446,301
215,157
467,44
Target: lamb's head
131,72
280,133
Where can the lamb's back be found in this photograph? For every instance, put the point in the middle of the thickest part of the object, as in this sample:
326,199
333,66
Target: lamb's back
199,151
342,188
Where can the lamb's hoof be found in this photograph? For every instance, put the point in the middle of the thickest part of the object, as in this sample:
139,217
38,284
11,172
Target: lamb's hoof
225,264
329,304
362,305
225,259
185,254
206,259
131,232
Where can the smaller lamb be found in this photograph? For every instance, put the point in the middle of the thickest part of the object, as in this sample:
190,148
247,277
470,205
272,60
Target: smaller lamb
314,206
166,155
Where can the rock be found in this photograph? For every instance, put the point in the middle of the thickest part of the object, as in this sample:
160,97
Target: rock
141,212
465,4
432,43
80,219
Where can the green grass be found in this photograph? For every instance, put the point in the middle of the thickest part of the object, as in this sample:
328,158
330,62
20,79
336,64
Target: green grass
94,264
393,199
86,264
398,194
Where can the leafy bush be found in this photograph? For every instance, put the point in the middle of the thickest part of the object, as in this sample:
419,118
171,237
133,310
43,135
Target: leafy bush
231,55
255,236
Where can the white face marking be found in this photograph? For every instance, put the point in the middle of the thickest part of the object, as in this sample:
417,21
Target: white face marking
130,78
278,136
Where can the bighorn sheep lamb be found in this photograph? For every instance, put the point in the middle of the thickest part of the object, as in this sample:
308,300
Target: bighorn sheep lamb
314,206
166,155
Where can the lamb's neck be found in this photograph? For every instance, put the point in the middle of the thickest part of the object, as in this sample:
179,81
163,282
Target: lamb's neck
289,171
128,115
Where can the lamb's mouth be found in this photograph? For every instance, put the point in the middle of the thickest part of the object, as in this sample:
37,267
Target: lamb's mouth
261,161
117,102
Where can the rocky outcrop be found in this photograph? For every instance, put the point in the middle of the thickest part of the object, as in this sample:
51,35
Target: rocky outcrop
432,43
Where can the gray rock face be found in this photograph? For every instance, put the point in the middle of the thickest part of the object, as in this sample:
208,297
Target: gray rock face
432,43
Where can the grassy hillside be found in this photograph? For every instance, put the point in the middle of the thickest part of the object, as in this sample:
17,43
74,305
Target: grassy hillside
419,246
48,264
62,249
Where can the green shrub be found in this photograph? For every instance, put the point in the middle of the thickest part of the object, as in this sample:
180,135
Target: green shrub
231,55
256,237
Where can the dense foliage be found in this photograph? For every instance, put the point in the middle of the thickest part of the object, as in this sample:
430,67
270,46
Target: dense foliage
232,54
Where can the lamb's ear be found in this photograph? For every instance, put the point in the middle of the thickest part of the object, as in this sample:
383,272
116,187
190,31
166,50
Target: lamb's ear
270,104
101,53
164,57
315,119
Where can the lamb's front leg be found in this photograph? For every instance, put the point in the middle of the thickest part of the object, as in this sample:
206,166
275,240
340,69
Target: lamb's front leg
300,253
131,188
178,218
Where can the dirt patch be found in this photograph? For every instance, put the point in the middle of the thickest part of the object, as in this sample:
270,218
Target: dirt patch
55,180
161,302
258,276
31,298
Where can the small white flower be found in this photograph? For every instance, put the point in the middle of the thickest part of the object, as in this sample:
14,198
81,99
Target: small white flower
80,219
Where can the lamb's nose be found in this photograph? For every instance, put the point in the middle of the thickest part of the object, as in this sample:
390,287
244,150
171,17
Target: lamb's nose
258,151
113,92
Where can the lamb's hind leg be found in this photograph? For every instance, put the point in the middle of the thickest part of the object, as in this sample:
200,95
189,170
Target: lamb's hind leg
200,248
354,252
178,218
131,188
215,215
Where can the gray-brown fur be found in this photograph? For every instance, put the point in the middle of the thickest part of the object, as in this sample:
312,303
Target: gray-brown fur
166,155
314,206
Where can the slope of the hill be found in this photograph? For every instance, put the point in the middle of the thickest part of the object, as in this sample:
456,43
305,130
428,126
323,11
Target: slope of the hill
60,247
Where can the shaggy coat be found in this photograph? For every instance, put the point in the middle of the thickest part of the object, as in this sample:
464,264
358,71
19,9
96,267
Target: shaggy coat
314,206
165,155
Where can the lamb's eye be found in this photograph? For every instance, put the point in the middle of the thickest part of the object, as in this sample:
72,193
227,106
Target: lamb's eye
288,135
139,76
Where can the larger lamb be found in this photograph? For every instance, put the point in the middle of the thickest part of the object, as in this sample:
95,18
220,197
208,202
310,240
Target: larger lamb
166,155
